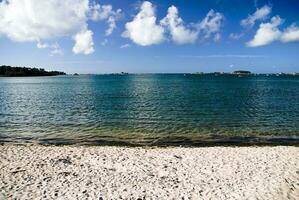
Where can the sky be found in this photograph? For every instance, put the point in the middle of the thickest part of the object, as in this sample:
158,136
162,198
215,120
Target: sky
160,36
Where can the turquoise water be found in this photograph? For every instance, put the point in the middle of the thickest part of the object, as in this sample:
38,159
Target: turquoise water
150,109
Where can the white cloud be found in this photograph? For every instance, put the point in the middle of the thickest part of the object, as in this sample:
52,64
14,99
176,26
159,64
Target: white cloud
111,26
144,30
105,12
104,42
217,37
98,12
56,50
125,46
211,24
179,33
41,45
83,42
36,20
291,34
269,32
260,14
235,36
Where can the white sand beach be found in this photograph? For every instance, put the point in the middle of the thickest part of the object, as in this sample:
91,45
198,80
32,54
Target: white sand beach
101,172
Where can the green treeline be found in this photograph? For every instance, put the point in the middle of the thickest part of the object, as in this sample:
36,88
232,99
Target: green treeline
25,71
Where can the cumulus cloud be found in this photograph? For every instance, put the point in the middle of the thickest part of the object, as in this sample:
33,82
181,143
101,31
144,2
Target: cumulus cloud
291,34
179,33
99,12
144,30
260,14
36,20
211,24
269,32
83,42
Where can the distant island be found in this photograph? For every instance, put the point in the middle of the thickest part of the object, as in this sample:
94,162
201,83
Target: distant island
242,72
25,71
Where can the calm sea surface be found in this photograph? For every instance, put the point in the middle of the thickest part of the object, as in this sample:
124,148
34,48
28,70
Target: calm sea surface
150,109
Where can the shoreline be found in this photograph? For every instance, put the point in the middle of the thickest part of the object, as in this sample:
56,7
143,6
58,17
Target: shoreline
114,172
170,141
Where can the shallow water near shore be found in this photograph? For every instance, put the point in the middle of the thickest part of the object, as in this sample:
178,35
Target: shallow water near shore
152,109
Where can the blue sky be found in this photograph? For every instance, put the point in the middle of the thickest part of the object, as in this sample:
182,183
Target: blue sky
190,36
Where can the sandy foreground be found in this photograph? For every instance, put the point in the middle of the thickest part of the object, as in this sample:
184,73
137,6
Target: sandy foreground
98,172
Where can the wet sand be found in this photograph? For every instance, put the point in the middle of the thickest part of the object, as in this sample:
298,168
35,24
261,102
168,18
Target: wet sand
107,172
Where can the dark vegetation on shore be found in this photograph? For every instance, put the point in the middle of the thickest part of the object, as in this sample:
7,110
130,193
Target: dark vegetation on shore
25,71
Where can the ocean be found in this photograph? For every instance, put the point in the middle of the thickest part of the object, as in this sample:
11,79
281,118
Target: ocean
150,109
